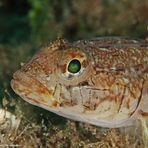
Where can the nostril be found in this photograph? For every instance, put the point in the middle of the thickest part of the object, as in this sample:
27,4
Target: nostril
17,75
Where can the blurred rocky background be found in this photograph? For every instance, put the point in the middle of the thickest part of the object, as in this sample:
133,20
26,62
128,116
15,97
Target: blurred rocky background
25,25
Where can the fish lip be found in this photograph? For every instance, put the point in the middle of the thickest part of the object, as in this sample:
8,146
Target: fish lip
31,90
21,78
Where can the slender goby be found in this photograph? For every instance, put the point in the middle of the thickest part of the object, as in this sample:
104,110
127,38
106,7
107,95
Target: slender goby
101,81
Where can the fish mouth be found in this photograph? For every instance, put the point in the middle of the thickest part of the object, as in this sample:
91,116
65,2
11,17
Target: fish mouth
32,91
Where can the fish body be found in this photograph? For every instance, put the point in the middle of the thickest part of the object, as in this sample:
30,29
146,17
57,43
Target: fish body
101,81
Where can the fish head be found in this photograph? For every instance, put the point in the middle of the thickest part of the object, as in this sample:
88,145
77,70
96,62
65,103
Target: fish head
50,77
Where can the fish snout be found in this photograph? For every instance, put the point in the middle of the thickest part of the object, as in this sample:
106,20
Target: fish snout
32,91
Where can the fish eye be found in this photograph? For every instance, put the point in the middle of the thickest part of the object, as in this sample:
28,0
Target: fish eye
74,66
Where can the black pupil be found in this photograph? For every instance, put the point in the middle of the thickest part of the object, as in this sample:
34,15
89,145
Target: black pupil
74,66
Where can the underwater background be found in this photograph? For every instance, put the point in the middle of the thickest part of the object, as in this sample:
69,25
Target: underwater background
26,25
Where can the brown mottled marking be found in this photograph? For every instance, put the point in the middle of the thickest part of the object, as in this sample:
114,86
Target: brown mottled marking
143,113
109,90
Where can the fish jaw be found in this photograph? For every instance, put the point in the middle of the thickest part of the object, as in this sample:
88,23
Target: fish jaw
32,91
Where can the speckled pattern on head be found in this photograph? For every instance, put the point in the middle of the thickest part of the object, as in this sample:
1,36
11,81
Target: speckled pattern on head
110,89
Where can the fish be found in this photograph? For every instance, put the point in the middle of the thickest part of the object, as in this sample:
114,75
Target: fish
101,81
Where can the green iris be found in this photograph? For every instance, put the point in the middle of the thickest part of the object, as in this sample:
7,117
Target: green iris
74,66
